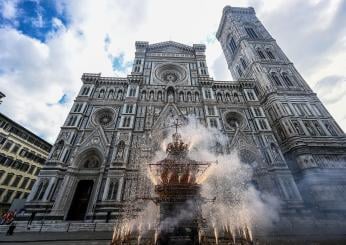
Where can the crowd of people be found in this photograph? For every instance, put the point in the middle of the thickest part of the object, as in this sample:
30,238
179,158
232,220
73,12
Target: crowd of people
8,217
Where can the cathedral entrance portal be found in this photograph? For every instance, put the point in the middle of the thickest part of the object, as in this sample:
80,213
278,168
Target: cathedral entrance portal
80,200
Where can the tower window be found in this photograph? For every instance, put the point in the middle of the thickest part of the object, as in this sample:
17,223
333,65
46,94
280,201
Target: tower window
207,94
126,122
232,45
240,72
330,129
211,111
251,33
132,92
276,79
250,95
287,79
260,54
213,123
263,124
129,108
85,91
113,190
270,54
243,63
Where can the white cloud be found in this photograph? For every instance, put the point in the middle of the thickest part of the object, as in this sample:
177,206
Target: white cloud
34,75
8,9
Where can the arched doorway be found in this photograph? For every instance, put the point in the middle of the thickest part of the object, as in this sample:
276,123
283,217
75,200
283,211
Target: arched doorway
80,200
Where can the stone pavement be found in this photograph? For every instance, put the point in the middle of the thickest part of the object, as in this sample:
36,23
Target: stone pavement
67,238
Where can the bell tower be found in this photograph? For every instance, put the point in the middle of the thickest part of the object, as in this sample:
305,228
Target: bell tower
251,52
308,135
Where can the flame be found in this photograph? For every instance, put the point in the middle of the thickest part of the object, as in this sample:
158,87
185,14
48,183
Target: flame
156,236
216,236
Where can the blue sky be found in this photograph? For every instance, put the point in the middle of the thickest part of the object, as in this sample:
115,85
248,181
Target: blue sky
45,46
34,18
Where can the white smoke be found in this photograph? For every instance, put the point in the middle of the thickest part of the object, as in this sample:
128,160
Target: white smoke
231,204
233,201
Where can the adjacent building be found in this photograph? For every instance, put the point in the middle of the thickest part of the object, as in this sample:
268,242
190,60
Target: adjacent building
2,95
296,147
22,155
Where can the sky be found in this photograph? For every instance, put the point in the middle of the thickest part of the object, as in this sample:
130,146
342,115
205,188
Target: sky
45,47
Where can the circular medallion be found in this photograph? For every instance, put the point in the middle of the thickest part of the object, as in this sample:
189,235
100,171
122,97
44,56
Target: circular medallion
170,73
234,119
103,116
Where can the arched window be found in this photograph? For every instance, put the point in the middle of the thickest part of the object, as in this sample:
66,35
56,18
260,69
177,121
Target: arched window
243,63
181,96
159,95
276,79
270,54
260,54
287,79
102,93
110,94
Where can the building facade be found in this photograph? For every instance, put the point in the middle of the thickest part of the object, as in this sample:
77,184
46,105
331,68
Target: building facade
22,155
116,123
2,95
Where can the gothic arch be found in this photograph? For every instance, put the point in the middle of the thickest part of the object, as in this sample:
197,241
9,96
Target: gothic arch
90,158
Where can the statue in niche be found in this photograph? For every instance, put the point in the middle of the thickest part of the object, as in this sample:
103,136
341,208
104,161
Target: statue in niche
58,150
121,150
170,94
92,162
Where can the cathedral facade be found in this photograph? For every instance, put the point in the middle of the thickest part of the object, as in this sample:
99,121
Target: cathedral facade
300,151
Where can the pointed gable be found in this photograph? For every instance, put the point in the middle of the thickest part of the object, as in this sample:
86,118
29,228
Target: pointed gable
96,139
170,47
169,111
